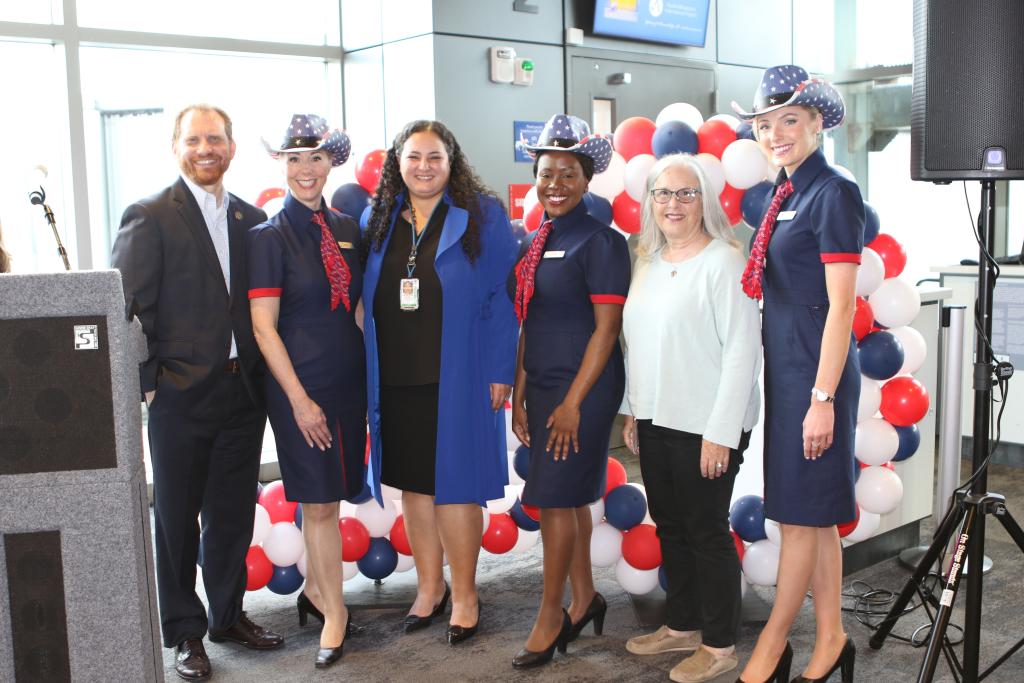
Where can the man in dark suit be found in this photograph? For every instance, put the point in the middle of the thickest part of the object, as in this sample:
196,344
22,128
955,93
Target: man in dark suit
181,256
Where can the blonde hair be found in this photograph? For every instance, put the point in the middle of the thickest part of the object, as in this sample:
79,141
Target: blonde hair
5,256
713,220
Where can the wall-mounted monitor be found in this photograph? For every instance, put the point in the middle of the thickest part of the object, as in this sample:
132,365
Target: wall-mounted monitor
677,22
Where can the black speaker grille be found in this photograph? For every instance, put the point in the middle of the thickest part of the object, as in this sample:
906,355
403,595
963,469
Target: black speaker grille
968,88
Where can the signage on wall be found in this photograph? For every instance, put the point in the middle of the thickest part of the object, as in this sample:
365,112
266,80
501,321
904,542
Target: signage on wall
526,132
678,22
516,194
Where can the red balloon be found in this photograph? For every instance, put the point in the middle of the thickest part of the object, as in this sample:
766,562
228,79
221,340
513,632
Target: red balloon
398,538
616,475
847,528
626,213
531,511
730,200
863,318
355,539
258,568
904,401
894,256
368,170
714,136
632,137
641,548
278,507
268,194
531,221
366,453
501,535
740,548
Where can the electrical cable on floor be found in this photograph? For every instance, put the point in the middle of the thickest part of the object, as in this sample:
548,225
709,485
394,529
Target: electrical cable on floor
871,605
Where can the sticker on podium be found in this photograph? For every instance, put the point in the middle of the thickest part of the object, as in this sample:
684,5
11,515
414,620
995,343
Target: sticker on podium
87,338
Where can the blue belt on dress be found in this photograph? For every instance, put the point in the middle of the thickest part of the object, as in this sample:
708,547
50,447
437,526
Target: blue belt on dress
796,297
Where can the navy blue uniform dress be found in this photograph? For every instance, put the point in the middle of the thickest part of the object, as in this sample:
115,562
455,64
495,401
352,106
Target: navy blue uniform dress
584,262
324,346
821,222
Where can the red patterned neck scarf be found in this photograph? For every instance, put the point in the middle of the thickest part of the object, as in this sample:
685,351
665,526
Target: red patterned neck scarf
526,269
754,272
337,270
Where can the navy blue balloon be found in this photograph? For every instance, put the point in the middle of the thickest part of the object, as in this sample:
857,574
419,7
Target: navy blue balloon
364,218
744,131
625,507
753,203
746,516
521,462
523,520
362,496
285,580
672,137
518,229
298,515
380,560
871,223
351,199
663,578
880,354
910,440
598,207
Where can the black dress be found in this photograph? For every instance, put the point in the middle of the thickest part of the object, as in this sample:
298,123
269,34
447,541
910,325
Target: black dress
409,344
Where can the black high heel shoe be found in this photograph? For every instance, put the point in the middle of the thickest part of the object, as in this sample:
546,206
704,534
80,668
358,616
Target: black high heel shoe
307,609
415,622
526,658
325,656
844,662
781,672
457,634
595,612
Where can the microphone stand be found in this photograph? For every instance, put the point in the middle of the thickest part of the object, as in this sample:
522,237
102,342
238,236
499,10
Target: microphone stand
39,199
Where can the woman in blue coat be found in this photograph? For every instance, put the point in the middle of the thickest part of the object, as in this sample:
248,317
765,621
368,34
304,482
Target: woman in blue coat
440,351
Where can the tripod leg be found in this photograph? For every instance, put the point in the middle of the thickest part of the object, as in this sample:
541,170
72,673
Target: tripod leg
1011,526
942,535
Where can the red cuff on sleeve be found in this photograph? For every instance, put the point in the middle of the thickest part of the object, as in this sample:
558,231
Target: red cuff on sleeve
607,299
840,258
265,291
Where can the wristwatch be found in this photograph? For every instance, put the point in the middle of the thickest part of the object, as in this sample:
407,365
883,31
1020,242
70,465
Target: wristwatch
822,396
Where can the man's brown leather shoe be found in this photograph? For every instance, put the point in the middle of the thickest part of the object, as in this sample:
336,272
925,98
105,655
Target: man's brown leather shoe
248,634
191,662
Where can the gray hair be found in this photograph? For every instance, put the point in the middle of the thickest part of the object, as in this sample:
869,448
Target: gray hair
713,222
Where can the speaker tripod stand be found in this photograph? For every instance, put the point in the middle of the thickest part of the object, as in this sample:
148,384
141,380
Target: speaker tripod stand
964,523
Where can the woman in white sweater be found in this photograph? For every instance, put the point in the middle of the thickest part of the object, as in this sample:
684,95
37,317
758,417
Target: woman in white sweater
693,354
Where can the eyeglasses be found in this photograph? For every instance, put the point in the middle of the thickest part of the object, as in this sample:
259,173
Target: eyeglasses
684,195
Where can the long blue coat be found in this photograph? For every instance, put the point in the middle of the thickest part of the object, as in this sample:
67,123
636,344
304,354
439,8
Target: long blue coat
479,333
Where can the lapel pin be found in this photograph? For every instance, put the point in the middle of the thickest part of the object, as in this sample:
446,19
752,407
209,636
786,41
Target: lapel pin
238,215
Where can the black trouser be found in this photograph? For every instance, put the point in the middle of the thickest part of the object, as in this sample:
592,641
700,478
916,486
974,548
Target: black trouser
692,514
205,465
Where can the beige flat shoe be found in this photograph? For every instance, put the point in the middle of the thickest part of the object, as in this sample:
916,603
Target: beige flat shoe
702,666
662,641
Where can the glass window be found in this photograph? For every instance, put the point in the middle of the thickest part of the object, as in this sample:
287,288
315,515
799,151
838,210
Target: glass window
311,22
814,43
885,33
36,12
36,125
128,129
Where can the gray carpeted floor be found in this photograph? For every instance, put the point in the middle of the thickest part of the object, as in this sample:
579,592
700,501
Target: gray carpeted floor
509,589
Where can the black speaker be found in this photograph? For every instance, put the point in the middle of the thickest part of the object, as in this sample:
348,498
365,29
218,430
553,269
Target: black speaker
965,112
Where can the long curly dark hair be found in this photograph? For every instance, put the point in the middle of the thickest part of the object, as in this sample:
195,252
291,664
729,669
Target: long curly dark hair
464,187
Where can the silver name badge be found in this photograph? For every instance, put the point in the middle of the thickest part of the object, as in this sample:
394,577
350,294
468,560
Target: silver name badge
554,254
787,215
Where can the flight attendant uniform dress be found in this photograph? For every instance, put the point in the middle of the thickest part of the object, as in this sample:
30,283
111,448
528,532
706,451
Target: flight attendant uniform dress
821,222
325,348
584,262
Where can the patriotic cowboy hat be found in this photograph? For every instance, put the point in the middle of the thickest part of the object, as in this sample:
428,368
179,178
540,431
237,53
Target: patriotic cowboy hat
789,85
308,133
565,133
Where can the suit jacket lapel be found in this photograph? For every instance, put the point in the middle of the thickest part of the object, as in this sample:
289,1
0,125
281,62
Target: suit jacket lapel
193,218
236,244
454,228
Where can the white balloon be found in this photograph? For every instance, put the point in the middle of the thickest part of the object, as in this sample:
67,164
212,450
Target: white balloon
761,563
398,508
744,164
273,206
895,303
283,544
605,545
733,122
610,184
511,440
870,273
505,503
879,490
301,565
487,519
772,531
377,520
260,525
346,509
714,170
597,511
635,178
846,173
530,199
681,111
633,580
513,476
390,492
525,542
405,563
876,441
915,349
870,398
866,527
349,570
